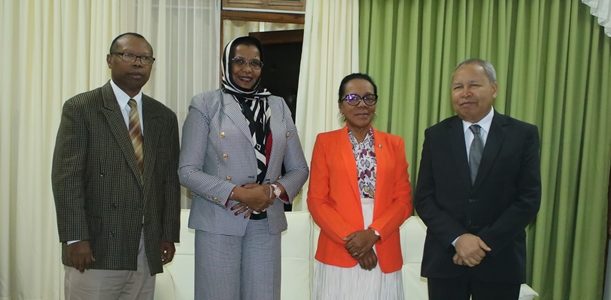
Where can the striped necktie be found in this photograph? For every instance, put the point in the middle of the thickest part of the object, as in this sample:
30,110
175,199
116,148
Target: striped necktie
135,134
475,151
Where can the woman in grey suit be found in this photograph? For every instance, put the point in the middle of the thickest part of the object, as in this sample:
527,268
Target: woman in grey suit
235,142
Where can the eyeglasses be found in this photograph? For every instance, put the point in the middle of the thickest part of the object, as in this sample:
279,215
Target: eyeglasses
132,58
354,99
255,64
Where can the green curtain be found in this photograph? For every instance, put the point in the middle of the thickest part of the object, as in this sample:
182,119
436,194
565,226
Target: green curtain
553,66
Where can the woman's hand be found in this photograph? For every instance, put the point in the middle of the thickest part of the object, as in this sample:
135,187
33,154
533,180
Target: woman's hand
255,197
359,242
368,260
242,208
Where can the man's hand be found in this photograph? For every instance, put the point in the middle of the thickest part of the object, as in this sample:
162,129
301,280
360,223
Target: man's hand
167,251
368,260
359,242
80,255
470,250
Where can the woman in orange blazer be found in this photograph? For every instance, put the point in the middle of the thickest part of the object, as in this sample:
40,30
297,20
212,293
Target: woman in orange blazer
359,195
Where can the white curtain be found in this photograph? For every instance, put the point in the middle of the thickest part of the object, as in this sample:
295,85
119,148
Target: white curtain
330,52
601,9
52,50
233,28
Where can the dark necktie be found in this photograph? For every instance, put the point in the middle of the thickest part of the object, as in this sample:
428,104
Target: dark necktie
135,134
475,151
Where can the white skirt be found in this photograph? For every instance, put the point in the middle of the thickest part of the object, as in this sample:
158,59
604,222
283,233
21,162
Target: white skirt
334,283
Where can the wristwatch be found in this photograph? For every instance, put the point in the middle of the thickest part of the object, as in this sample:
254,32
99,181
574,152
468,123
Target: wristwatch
276,190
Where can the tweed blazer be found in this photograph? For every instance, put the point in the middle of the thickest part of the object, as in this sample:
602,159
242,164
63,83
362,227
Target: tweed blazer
497,207
217,154
99,193
334,199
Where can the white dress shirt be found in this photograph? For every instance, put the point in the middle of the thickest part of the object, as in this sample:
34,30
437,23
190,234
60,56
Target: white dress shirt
484,123
122,99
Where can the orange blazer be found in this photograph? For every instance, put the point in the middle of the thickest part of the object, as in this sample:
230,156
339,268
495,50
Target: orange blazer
335,203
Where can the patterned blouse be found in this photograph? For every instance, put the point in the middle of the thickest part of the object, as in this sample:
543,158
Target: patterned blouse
365,163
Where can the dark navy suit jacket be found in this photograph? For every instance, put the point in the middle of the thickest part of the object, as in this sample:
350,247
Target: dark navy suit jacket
500,204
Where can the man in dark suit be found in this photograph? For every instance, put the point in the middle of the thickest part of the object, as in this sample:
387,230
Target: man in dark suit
115,181
478,188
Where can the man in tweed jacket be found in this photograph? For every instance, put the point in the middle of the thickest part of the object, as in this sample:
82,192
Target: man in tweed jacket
117,222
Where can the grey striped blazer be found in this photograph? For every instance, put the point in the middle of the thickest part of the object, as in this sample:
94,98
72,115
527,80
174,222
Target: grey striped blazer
217,155
99,193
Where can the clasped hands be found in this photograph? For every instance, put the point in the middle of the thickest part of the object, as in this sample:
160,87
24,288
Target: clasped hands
359,245
252,198
470,250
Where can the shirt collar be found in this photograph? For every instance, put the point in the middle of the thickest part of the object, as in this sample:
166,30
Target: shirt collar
122,97
368,137
484,123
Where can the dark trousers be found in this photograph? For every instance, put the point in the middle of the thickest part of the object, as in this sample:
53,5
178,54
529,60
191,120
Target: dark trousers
463,288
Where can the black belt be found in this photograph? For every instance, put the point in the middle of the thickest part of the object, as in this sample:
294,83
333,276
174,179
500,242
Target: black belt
260,216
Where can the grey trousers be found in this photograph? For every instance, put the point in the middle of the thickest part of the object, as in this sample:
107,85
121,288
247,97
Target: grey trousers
238,267
111,284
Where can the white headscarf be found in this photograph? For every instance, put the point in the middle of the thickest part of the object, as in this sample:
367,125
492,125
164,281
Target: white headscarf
228,82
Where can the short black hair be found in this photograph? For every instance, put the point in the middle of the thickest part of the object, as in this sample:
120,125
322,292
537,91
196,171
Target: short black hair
246,40
342,85
113,45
